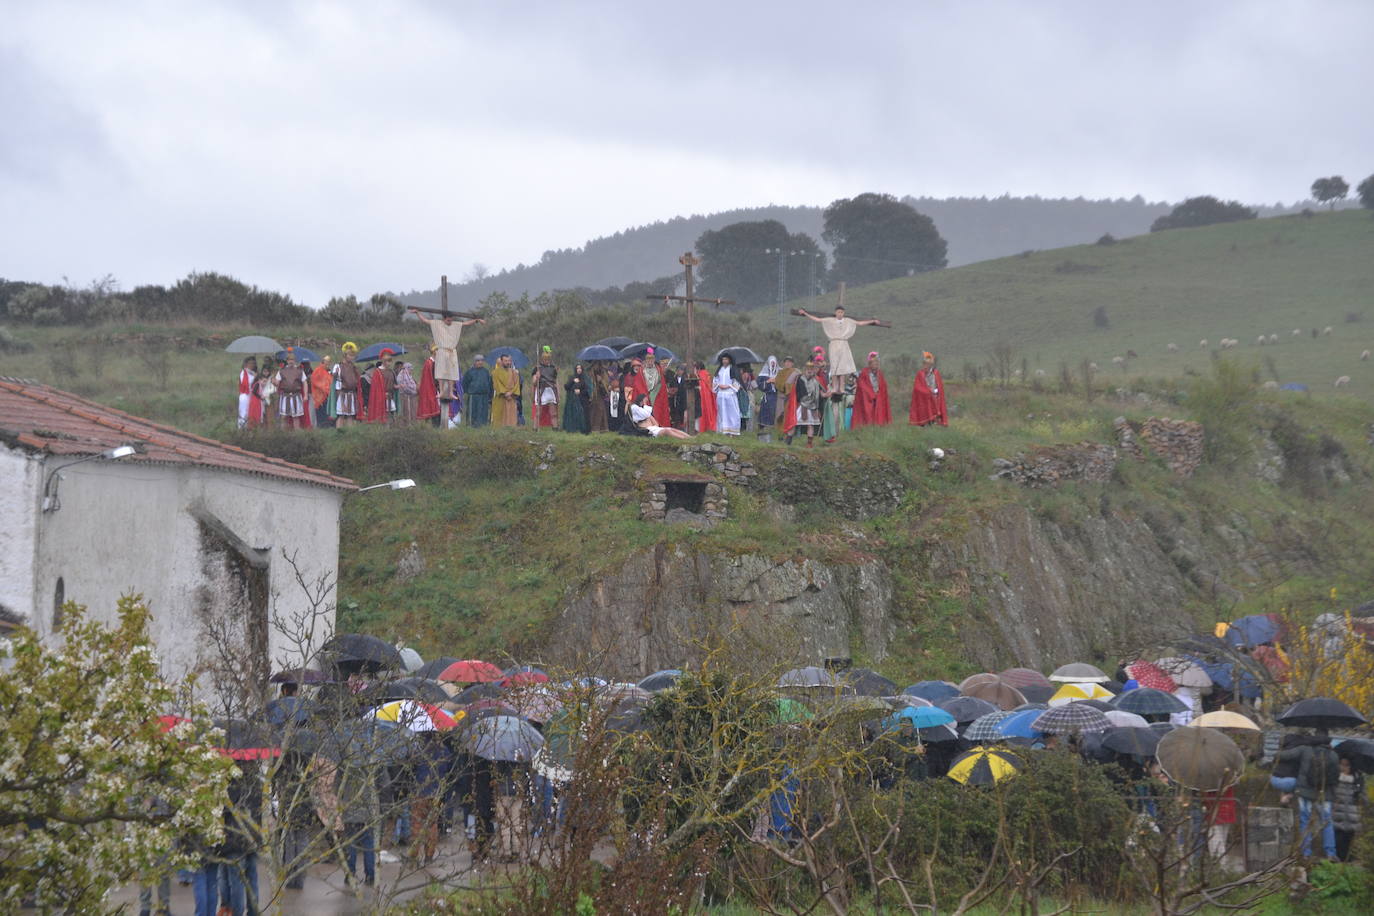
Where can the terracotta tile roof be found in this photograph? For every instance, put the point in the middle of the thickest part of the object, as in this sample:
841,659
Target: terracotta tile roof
40,418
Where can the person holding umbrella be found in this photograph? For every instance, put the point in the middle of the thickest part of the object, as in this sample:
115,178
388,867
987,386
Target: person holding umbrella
248,372
1347,802
1319,772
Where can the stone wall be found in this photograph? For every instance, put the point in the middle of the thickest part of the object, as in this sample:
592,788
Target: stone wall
1051,465
1178,442
715,503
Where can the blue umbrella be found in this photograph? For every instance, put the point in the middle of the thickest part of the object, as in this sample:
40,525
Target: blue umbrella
1293,386
1252,630
1019,724
934,691
597,352
303,355
639,349
1229,676
918,717
517,356
375,351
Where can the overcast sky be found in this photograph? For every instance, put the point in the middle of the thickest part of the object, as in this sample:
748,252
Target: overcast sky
328,148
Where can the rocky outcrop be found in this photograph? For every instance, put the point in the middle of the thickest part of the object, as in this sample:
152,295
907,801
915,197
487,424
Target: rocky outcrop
1051,465
1178,442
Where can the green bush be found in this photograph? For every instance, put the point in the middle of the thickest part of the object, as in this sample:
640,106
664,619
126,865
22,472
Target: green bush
1224,404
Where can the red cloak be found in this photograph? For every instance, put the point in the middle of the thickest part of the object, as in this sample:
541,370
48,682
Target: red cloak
928,407
871,407
637,386
708,403
789,418
428,404
376,397
662,415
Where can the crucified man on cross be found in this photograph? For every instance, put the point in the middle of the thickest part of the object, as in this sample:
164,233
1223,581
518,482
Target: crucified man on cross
839,329
445,334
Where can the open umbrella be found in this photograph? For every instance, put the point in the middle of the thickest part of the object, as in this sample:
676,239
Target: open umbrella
471,671
490,707
518,359
1003,696
1024,677
639,349
1205,759
1360,753
253,343
984,728
1079,673
660,680
810,676
789,711
538,704
1148,674
869,683
1021,724
1038,693
918,717
1146,701
973,680
1138,741
1253,630
365,742
412,688
966,709
1073,693
615,343
247,739
523,674
934,691
1122,719
478,692
906,699
504,738
362,650
1224,718
597,352
299,676
738,355
984,766
1185,671
1162,727
854,709
626,716
414,716
1072,719
1227,675
435,667
1320,712
303,355
374,351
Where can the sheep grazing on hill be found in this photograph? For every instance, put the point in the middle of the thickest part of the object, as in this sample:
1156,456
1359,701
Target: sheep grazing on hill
1297,332
1172,347
1228,343
1118,360
1261,340
1326,331
1092,367
1039,373
1273,338
1202,343
1270,385
1364,355
1342,381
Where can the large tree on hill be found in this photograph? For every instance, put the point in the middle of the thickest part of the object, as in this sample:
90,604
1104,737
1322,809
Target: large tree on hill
1203,211
739,261
1329,190
1366,192
877,237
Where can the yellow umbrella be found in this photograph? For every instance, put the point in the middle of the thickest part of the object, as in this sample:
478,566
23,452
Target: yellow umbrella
1072,693
1224,718
984,766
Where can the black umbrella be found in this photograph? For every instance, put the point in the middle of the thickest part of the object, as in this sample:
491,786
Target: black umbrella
375,351
1038,693
366,742
615,343
1320,712
597,352
412,688
299,676
432,669
739,355
503,738
869,683
966,709
518,359
641,348
1360,753
1138,741
362,650
478,692
626,716
1162,728
1147,701
660,680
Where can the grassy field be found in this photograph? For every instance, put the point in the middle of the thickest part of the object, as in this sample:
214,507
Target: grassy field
1237,280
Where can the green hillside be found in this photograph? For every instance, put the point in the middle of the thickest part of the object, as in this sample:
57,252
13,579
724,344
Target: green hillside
1236,280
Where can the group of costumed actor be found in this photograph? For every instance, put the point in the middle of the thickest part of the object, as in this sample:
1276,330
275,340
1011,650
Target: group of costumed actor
928,395
839,330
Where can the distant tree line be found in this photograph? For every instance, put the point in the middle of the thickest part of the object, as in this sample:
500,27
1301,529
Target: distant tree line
207,297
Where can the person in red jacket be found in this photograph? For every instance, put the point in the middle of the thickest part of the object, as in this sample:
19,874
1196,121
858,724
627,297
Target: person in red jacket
706,401
928,395
427,407
871,404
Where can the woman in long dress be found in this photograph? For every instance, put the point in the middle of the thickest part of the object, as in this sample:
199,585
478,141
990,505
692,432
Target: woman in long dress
726,386
575,407
768,400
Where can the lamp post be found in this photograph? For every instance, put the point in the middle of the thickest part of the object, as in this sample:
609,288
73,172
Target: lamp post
783,254
50,486
405,483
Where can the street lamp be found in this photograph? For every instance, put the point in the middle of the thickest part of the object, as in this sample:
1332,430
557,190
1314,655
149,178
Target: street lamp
405,483
50,486
783,254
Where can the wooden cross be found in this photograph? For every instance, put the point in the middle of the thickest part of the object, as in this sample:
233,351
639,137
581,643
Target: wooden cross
443,304
688,261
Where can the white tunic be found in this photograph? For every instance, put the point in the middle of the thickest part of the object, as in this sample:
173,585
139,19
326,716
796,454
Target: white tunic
839,330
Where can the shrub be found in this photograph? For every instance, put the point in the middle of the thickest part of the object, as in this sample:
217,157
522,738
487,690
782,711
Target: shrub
1223,405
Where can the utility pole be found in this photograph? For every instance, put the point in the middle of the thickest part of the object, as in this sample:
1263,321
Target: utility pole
783,255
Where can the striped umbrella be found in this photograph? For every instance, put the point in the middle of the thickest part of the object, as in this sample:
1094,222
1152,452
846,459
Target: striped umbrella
414,716
1072,693
1072,719
1148,674
984,728
1146,701
984,766
1024,677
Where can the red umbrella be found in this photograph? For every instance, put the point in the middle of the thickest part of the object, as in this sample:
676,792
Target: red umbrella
1148,674
471,671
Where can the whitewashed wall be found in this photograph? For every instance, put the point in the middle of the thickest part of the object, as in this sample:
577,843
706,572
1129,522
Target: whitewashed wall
21,479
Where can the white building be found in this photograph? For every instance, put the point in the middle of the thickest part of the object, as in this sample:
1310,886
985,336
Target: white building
218,540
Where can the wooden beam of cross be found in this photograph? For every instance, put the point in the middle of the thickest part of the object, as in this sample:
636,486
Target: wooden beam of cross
876,322
689,261
443,309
